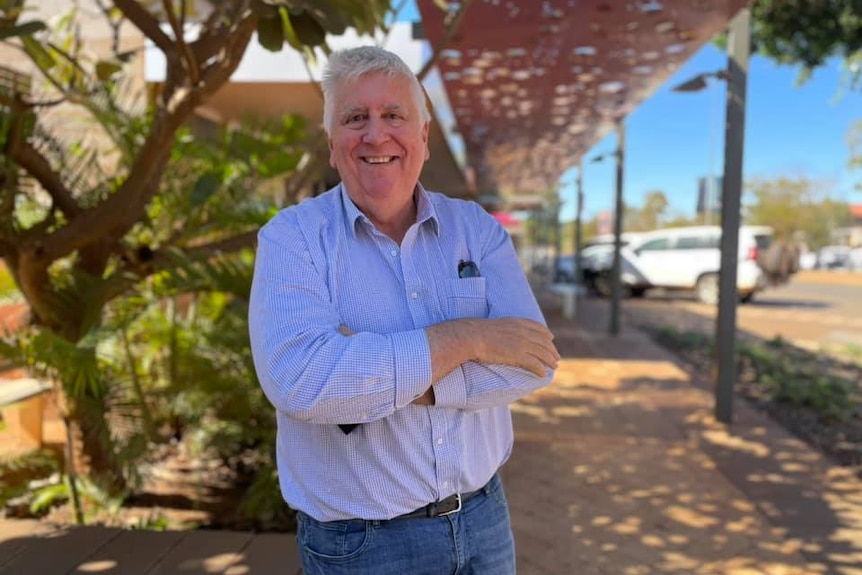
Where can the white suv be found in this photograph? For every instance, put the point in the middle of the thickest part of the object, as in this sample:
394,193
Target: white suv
690,258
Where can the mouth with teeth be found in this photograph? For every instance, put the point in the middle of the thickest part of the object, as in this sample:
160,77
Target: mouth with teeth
379,159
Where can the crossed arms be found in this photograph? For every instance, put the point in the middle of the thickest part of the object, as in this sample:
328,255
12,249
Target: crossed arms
312,369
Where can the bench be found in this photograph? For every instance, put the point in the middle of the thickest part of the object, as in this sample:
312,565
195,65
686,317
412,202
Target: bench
22,402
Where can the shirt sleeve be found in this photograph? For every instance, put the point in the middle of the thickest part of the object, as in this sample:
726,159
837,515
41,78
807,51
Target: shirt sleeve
474,385
306,367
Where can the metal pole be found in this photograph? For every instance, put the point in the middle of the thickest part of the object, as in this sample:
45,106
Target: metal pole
710,188
616,272
579,232
558,243
725,333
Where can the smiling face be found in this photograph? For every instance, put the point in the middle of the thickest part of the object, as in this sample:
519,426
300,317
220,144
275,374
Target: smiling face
378,143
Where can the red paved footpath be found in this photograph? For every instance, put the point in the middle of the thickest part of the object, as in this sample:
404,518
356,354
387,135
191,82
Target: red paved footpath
618,469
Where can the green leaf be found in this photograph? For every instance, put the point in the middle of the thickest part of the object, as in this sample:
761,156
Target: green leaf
205,187
270,33
37,52
308,31
25,29
334,17
106,69
287,29
46,497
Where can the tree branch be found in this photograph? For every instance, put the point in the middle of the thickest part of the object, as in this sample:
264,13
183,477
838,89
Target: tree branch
119,212
21,104
146,23
179,33
161,260
35,164
228,245
219,72
7,248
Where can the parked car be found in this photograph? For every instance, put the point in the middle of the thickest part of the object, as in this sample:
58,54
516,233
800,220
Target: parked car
689,259
833,257
598,255
564,269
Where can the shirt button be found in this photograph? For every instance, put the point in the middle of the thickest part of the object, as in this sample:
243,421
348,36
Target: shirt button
394,253
414,295
445,484
440,441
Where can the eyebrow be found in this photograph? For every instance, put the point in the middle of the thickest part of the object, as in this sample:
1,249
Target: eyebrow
347,112
386,108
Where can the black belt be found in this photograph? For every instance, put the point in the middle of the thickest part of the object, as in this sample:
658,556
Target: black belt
451,504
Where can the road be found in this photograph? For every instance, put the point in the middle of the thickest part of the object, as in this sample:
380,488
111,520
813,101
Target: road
815,312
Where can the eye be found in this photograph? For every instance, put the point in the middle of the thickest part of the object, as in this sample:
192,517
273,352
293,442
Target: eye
354,118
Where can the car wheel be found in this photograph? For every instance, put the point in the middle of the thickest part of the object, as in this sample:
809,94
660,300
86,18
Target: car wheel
707,289
746,297
637,292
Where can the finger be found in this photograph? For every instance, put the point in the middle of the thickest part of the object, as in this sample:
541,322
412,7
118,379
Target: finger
545,343
547,355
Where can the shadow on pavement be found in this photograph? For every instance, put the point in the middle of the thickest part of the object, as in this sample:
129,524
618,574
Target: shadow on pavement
620,468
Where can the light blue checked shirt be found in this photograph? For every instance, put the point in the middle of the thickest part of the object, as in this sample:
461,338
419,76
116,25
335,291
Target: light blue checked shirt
321,264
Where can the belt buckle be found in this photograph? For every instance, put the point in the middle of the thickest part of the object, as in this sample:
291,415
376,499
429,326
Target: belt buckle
457,509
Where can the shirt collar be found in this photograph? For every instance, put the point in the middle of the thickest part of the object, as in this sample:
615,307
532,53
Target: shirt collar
425,211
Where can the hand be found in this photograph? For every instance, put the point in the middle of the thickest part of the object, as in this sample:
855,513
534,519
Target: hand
518,342
511,341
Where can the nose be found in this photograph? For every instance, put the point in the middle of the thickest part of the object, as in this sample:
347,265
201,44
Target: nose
375,132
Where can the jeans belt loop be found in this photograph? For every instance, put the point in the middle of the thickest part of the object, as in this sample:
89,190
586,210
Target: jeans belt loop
457,509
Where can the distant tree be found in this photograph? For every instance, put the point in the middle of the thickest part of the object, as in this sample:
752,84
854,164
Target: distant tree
680,220
854,144
807,33
796,206
650,216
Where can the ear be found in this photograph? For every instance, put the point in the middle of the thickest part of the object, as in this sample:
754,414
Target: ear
331,154
425,130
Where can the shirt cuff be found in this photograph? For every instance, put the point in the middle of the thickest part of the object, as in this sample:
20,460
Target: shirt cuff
412,365
451,390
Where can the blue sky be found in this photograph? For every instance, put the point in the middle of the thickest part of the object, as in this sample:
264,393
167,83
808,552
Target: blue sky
791,130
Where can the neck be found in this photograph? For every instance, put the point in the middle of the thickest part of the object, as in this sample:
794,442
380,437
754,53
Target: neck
395,224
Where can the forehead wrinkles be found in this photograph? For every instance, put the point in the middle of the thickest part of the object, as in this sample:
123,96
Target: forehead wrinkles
392,96
351,109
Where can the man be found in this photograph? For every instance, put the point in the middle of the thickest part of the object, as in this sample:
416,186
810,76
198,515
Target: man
391,327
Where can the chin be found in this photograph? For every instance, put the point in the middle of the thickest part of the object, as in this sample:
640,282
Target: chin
381,189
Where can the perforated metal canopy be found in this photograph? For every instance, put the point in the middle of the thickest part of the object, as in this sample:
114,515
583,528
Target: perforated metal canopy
534,84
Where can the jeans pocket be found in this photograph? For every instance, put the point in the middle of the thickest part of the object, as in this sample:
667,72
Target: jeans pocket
333,541
496,492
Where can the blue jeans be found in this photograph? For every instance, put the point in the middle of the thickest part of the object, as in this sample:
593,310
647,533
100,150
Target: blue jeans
474,541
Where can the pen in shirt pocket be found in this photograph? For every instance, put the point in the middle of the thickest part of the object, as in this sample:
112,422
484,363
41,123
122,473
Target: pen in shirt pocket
468,269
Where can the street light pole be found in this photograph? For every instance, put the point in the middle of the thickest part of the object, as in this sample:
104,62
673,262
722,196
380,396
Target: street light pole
725,338
616,271
579,231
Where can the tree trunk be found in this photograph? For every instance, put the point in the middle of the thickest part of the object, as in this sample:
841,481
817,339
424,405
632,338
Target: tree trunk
93,449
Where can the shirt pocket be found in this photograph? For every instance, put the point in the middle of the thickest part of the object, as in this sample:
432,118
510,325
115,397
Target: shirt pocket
465,297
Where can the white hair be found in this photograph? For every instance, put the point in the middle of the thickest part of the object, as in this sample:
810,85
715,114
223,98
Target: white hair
354,63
